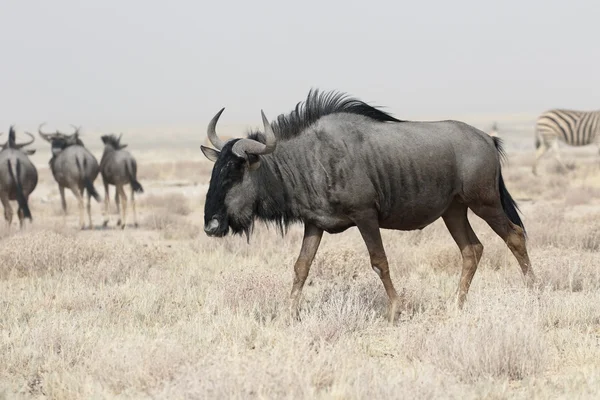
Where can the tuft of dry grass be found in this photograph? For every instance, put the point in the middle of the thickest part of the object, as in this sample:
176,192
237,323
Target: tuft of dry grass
175,203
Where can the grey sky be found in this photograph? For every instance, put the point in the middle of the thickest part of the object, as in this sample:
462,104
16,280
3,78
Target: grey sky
125,64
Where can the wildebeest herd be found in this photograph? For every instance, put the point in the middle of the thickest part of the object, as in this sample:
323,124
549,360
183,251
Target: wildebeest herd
73,167
333,163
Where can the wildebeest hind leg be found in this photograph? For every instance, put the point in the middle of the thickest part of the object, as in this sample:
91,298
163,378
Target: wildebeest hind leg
310,244
63,201
21,216
512,234
469,245
133,208
123,198
89,210
77,192
8,211
369,229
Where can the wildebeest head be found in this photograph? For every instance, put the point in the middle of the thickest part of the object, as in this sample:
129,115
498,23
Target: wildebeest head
113,141
11,143
59,141
230,201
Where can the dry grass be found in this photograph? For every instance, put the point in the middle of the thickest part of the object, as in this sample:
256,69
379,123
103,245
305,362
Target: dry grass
165,312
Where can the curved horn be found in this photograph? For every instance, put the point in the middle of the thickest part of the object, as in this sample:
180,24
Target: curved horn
243,147
46,136
212,131
21,145
77,129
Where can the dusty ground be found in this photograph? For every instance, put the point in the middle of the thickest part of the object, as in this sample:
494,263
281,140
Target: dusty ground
165,312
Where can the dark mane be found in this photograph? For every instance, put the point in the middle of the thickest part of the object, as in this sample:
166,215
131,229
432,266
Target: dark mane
318,105
112,140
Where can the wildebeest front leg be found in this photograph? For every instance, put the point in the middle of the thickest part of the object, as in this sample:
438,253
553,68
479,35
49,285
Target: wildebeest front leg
118,203
8,211
310,244
469,245
123,198
369,229
63,201
106,204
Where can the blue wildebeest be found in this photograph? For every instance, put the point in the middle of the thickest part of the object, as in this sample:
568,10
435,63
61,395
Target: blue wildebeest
18,176
73,167
336,162
118,167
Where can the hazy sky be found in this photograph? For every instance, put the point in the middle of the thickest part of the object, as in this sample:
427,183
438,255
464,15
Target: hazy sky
126,64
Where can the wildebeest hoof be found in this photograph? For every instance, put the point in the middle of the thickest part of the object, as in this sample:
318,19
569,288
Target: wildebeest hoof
136,225
123,226
119,222
105,224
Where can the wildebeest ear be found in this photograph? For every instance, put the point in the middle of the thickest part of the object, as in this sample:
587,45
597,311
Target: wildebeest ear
211,154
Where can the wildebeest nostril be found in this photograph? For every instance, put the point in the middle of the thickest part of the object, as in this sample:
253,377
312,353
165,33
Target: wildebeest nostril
212,226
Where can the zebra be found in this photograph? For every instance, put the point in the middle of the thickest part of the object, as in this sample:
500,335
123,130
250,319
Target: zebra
575,128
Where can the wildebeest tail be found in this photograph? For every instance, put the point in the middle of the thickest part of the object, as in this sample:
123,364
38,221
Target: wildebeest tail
508,204
87,183
131,168
20,195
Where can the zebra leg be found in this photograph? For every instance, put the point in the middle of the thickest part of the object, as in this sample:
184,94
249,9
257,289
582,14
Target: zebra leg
541,150
556,152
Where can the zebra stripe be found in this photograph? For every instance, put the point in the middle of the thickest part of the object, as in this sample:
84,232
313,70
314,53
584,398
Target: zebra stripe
575,128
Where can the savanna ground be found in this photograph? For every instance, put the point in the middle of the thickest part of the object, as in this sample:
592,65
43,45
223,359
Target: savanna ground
165,312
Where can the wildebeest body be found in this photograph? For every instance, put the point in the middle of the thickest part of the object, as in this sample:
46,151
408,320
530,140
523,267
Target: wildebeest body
73,167
119,168
18,176
408,172
334,163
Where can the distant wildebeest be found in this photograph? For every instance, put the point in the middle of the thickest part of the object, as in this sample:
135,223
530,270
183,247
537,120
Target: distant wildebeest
336,162
73,167
575,128
118,167
18,176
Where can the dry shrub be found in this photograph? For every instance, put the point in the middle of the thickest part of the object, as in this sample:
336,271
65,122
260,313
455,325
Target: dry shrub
194,171
175,203
447,258
556,168
258,294
503,345
571,310
581,195
171,226
343,263
559,271
49,252
550,228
